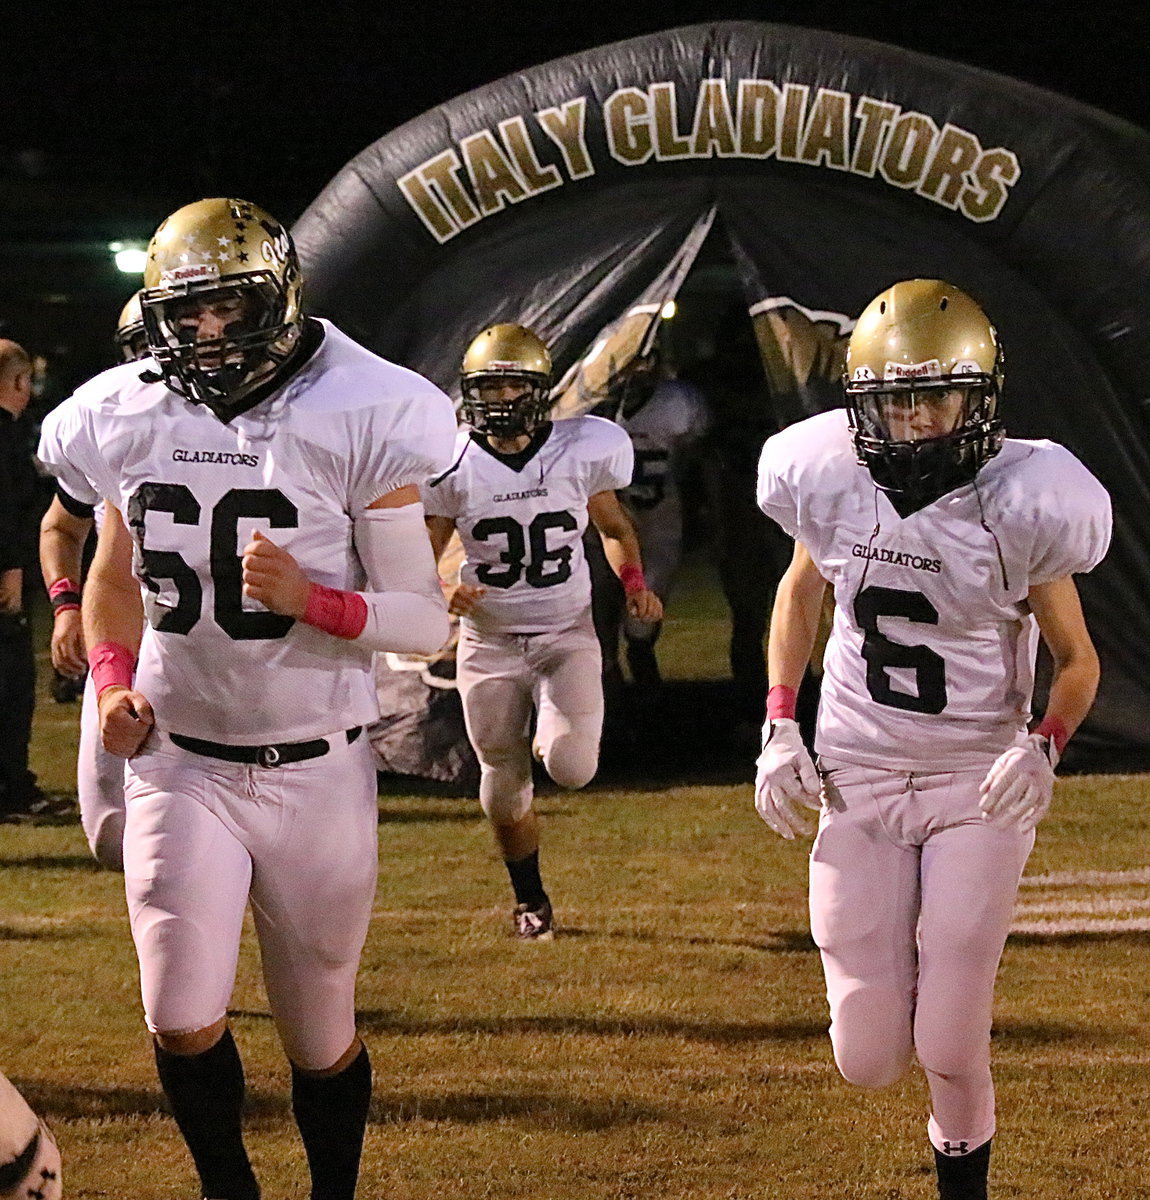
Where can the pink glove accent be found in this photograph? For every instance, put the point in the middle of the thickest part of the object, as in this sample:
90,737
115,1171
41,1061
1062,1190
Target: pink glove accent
111,665
631,577
342,614
781,703
1055,730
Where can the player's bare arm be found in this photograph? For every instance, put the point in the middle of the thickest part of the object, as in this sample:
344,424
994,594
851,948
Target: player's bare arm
462,597
795,620
1058,611
405,611
621,545
62,538
113,620
1019,786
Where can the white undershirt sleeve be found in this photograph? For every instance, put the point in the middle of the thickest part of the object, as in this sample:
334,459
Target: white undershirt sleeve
406,611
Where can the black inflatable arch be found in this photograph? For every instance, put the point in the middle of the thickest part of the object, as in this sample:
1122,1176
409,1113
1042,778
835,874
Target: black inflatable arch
579,191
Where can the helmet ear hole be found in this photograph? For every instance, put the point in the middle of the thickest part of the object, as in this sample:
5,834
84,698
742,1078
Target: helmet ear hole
942,304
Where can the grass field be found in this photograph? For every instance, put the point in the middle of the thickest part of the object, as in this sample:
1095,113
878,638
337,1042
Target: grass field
671,1042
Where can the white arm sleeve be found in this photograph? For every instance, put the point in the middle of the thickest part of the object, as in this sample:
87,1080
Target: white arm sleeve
406,612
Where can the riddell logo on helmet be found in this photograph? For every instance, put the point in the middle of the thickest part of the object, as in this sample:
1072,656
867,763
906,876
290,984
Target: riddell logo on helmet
191,273
502,366
930,369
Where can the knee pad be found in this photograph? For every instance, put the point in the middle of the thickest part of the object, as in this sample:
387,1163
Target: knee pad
106,842
505,800
953,1054
870,1066
571,762
872,1040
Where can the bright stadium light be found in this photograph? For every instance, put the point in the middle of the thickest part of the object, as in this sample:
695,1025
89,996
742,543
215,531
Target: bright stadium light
669,309
131,257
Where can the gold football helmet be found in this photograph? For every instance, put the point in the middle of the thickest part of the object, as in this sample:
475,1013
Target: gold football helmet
506,382
923,378
130,338
221,301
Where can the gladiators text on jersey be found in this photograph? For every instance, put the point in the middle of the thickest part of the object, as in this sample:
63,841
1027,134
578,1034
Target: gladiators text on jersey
216,456
897,558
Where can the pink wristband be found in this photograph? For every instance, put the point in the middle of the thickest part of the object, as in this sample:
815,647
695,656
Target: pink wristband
65,596
631,577
781,703
1055,730
342,614
111,665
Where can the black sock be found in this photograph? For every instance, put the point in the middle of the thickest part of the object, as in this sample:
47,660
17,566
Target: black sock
525,879
331,1112
963,1176
206,1095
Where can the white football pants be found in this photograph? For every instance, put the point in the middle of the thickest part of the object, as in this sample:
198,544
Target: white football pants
204,836
911,896
500,677
99,787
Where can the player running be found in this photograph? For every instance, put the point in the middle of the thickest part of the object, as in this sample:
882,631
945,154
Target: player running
950,550
520,492
664,418
261,487
64,531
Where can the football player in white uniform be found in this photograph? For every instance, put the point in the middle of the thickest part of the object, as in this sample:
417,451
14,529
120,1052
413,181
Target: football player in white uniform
520,492
663,417
266,468
950,550
29,1158
64,530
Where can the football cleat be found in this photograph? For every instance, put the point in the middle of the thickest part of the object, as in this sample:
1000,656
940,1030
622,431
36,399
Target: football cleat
533,923
29,1157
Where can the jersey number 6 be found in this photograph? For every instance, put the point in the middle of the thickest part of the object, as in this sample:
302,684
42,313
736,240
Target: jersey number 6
882,654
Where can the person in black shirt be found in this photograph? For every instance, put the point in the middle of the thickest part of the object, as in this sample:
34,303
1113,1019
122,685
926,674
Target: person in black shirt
20,795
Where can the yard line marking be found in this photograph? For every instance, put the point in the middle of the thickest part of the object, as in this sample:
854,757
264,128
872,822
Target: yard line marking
1086,878
1102,925
1117,904
1062,902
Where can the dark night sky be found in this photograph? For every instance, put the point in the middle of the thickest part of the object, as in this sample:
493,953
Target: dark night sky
172,101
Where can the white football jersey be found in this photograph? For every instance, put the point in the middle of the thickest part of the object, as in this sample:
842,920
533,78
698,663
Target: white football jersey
930,663
521,519
675,416
347,428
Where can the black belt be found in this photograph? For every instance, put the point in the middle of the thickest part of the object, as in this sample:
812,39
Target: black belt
277,755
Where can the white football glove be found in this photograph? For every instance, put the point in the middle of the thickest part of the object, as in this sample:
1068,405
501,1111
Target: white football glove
785,777
1018,788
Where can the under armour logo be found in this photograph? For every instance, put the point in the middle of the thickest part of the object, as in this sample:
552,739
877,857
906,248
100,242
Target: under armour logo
46,1175
955,1147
